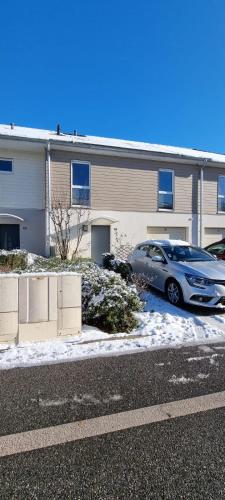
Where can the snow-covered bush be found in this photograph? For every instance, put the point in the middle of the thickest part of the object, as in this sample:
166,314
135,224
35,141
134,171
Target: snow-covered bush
107,301
117,265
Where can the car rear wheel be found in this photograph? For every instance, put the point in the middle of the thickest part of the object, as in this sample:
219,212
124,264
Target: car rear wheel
174,293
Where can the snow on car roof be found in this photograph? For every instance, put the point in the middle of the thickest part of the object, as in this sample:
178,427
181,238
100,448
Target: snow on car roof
171,243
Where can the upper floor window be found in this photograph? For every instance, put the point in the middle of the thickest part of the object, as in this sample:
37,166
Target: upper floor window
80,183
166,189
221,193
5,165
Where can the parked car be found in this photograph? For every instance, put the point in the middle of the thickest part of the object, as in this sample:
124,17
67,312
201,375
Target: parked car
184,272
217,249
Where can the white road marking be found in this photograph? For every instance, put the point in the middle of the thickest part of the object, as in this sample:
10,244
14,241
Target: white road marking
66,433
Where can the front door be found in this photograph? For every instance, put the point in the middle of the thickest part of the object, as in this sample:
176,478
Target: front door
100,242
9,236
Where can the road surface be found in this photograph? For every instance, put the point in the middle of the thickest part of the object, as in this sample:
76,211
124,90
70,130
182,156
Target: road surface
172,451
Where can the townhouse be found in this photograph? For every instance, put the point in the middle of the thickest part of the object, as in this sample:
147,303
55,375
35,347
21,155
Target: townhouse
140,190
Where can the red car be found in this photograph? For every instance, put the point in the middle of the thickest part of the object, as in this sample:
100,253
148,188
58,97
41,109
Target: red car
217,249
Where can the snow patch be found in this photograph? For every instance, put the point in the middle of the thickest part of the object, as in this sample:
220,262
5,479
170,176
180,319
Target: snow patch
83,399
185,380
160,325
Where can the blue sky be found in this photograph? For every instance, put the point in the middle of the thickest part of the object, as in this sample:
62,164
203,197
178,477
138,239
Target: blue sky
152,70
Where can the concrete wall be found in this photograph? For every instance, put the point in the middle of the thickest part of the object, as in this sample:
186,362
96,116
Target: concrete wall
36,307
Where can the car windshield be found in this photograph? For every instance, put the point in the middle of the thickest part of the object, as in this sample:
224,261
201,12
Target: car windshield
185,253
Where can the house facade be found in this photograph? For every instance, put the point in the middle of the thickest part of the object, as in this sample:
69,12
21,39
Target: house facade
22,195
130,190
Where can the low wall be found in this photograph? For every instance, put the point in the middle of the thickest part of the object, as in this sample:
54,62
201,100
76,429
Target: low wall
39,306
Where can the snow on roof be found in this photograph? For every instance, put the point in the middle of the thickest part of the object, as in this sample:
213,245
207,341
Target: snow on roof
51,135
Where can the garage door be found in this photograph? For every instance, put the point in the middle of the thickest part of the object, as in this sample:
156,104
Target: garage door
166,233
213,234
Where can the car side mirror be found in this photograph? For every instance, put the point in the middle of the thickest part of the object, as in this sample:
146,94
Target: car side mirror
158,258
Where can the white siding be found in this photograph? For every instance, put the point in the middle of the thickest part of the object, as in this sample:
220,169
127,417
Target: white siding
25,186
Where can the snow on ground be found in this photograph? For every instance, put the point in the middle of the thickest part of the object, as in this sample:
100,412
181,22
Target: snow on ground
161,325
184,380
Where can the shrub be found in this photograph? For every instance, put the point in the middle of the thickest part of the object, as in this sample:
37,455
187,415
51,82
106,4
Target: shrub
13,260
117,265
142,282
107,260
108,302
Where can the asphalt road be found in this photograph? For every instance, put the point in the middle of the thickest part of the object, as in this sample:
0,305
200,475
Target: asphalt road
180,458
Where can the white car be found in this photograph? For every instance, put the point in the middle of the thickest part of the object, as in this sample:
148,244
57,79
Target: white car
184,272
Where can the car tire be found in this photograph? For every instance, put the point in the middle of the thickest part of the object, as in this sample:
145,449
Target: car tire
174,293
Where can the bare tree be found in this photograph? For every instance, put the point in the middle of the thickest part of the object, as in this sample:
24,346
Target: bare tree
63,217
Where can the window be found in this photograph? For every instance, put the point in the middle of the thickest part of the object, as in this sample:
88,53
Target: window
216,249
144,249
166,189
221,193
80,183
5,165
187,253
155,251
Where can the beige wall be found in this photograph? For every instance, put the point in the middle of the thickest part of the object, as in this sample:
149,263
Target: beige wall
210,189
133,226
125,184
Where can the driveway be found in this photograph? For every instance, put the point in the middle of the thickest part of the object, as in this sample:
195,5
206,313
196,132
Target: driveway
214,317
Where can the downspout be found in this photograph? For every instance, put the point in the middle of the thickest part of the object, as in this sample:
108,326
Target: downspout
48,202
201,200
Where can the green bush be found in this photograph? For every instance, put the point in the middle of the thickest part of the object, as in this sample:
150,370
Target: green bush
108,259
13,260
117,265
